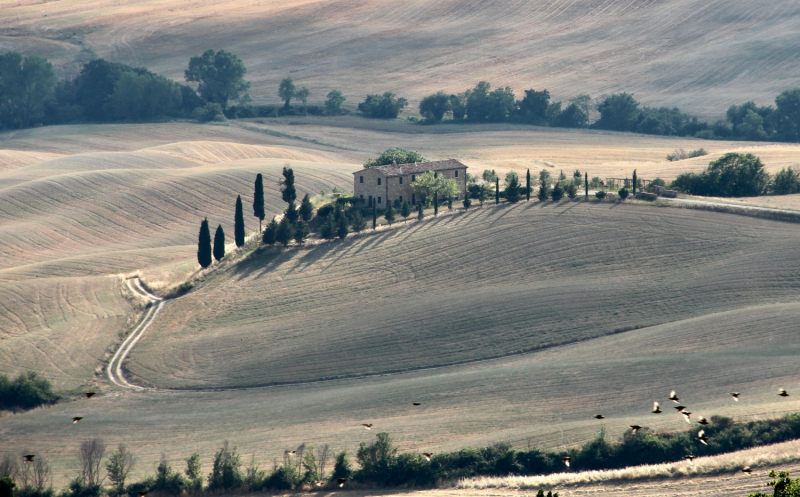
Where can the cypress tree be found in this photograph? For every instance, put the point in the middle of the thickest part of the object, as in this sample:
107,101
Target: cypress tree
270,232
284,232
358,224
204,245
289,194
342,229
557,193
512,190
436,203
238,223
292,214
301,232
405,210
634,182
306,209
544,190
374,215
258,201
328,229
497,190
388,214
586,184
528,186
219,243
467,202
420,215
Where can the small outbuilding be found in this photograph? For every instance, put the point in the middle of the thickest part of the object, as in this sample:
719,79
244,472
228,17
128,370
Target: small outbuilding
382,184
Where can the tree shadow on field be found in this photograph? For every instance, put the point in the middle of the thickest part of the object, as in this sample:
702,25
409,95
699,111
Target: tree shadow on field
506,210
569,208
374,241
263,259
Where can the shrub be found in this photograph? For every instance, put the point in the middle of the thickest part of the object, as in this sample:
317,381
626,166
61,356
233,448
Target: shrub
386,106
328,229
341,468
270,232
26,391
572,191
226,473
557,193
658,182
623,193
786,181
732,175
600,194
168,481
210,112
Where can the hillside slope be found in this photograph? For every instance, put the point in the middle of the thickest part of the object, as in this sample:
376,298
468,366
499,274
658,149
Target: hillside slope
489,283
699,55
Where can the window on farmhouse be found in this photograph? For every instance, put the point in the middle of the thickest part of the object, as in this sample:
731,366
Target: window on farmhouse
379,200
361,179
413,178
401,180
456,173
379,181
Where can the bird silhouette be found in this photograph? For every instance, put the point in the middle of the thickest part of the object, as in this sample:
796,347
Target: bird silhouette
29,457
89,395
566,460
702,420
782,392
416,403
689,458
427,455
341,481
673,397
635,428
656,408
290,453
76,419
367,426
686,415
735,396
599,416
747,470
679,408
701,436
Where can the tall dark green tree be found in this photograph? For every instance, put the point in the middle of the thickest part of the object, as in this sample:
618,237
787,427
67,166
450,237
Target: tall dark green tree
25,84
389,213
634,182
528,186
258,201
435,203
288,192
342,228
586,184
285,232
219,243
497,191
204,245
420,214
220,76
270,232
374,215
557,193
301,232
544,188
286,91
405,210
292,214
467,202
7,486
238,223
512,189
306,209
328,228
358,223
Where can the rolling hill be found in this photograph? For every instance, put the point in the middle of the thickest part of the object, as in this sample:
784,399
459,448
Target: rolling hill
701,56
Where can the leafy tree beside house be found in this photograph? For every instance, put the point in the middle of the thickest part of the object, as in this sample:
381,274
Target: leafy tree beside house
220,76
398,155
343,228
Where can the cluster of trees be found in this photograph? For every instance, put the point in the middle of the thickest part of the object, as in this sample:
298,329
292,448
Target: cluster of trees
618,112
738,175
26,391
379,462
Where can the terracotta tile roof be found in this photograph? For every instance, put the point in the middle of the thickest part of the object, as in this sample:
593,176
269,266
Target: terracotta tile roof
418,167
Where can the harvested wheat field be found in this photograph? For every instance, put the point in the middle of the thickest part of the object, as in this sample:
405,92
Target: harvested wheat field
698,55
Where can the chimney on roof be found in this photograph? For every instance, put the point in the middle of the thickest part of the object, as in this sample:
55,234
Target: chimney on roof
394,163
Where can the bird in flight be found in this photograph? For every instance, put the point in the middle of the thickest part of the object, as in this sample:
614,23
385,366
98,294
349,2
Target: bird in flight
89,395
367,426
673,397
566,460
735,396
679,408
689,458
635,428
702,420
686,415
782,392
656,408
29,457
701,436
599,416
76,419
747,470
341,481
427,455
290,453
416,403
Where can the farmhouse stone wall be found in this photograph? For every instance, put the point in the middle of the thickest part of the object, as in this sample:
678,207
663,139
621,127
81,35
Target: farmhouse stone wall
390,183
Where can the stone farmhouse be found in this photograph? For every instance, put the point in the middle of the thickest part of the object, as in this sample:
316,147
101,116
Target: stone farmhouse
382,184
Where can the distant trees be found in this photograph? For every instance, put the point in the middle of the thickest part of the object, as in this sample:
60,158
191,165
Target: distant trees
489,106
301,232
544,185
333,103
286,91
512,187
26,391
358,223
226,473
528,185
220,76
398,155
785,182
288,191
119,466
386,106
306,209
238,223
270,233
25,85
732,175
285,232
219,243
204,245
302,95
328,229
619,112
258,200
342,228
787,115
434,107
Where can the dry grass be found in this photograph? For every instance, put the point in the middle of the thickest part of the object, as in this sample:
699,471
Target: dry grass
690,53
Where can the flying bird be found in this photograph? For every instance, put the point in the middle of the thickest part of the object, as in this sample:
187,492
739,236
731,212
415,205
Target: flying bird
89,395
701,436
416,403
656,409
782,392
635,428
686,415
735,396
76,419
29,457
290,453
747,470
702,420
341,481
599,416
673,397
689,458
679,408
427,455
367,426
566,460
